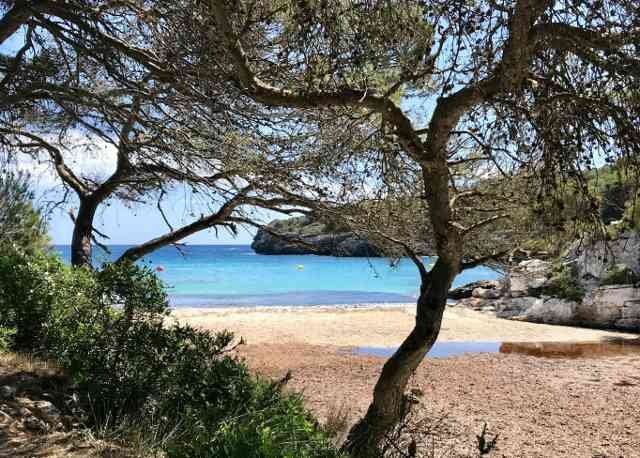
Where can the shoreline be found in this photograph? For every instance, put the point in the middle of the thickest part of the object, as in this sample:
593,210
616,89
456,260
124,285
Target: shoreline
373,325
295,308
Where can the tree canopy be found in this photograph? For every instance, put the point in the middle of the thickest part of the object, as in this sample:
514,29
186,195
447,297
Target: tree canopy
442,119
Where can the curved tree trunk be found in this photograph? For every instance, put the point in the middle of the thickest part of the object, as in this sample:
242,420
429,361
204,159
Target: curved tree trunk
82,232
388,402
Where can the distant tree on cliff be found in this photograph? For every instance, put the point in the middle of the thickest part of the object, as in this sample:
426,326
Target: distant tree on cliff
533,89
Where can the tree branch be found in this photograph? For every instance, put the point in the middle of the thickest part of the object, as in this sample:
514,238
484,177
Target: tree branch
64,172
486,221
478,261
219,218
271,95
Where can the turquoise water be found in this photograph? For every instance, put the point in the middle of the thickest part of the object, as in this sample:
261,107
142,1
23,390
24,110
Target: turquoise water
220,275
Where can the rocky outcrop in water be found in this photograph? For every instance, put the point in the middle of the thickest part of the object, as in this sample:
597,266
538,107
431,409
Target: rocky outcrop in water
302,235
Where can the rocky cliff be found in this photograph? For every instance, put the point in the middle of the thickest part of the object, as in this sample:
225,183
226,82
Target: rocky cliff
302,235
541,292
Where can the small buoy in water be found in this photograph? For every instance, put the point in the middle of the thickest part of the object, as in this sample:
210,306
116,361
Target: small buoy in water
300,267
159,269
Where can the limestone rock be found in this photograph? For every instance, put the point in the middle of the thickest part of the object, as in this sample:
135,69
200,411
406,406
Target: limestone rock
466,291
618,274
7,392
593,259
514,306
474,303
527,276
317,238
485,293
611,307
551,311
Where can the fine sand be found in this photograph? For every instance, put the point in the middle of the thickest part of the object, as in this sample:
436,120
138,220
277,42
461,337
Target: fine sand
372,326
540,407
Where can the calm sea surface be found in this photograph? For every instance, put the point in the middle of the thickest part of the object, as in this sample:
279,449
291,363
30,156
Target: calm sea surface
233,275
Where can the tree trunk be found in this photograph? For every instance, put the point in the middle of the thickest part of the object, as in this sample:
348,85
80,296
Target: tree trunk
388,403
82,232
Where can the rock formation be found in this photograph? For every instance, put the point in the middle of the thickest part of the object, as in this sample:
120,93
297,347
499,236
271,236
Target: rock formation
302,235
528,293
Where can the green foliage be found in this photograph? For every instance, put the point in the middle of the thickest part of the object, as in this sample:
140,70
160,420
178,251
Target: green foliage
109,330
270,424
613,201
30,287
7,335
28,274
21,226
631,218
619,274
115,343
563,284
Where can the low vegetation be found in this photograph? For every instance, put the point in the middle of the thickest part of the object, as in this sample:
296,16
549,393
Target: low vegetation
562,283
619,274
107,330
177,389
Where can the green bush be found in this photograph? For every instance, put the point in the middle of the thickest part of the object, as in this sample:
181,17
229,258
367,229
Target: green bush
7,335
563,284
631,218
21,226
174,378
108,329
31,285
270,424
619,274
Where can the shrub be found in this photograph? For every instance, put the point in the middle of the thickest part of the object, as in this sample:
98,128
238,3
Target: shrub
271,424
613,201
31,285
6,338
563,284
21,226
174,378
618,274
631,218
108,330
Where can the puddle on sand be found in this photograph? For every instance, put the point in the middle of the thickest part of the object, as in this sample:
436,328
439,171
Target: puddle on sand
439,350
612,347
599,349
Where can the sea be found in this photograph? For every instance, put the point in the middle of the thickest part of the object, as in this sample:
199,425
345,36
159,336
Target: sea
235,276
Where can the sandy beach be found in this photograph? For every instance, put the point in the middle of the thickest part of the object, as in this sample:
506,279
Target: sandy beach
540,407
371,325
